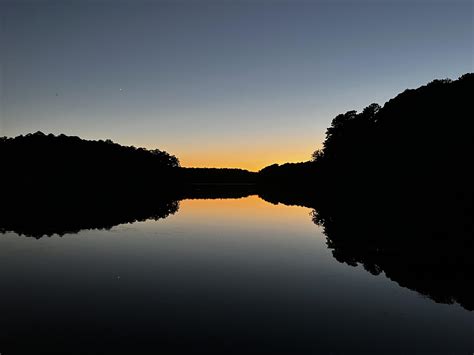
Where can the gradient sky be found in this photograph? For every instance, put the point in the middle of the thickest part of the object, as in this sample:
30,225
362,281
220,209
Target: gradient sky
218,83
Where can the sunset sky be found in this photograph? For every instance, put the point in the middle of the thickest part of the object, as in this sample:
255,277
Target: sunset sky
218,83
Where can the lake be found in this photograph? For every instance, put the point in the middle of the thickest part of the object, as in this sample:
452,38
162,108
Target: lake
228,276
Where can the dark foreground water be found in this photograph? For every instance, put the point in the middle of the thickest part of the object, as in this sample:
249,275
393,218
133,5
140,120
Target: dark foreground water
224,276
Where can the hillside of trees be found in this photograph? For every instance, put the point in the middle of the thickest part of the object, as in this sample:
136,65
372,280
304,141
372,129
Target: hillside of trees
418,130
421,141
43,166
47,165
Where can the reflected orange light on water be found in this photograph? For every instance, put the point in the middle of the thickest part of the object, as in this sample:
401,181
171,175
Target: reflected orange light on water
251,208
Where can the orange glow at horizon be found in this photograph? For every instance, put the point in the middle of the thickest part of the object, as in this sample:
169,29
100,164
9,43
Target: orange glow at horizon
246,159
251,153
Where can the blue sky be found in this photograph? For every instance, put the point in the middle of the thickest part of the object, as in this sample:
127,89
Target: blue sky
218,83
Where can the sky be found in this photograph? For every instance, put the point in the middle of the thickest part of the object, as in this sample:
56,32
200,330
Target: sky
230,83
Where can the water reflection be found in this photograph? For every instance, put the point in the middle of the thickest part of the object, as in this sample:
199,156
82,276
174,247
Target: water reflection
426,248
69,217
437,266
224,275
423,257
60,215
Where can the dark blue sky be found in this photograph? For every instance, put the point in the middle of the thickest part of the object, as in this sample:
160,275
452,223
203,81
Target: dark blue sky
219,83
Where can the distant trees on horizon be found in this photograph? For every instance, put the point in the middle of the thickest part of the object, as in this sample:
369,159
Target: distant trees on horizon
40,140
68,169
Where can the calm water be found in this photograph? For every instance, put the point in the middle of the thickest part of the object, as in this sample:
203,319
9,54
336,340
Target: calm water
229,276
